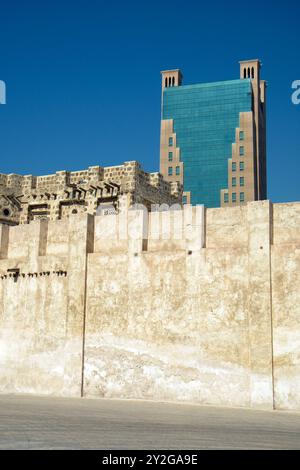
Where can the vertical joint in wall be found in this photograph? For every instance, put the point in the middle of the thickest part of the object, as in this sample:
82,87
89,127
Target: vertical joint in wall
271,301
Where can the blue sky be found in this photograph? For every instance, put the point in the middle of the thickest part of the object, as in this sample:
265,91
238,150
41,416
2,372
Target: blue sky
83,81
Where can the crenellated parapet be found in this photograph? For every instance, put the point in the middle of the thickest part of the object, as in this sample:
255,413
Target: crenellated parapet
110,189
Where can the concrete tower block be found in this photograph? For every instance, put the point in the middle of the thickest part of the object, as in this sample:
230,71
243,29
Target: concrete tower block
250,69
171,78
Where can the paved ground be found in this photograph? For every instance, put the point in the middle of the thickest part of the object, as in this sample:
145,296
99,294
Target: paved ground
58,423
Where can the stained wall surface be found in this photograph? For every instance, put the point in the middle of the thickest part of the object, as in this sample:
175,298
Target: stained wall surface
194,305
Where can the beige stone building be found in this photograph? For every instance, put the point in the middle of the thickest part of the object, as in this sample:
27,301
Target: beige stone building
110,189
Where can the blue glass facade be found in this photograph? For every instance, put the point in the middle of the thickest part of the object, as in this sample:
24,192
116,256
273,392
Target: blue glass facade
205,118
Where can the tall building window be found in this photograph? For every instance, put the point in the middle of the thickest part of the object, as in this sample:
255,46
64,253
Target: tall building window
170,141
233,166
184,199
242,197
170,171
242,151
234,181
242,166
226,198
170,156
242,181
233,197
178,170
242,135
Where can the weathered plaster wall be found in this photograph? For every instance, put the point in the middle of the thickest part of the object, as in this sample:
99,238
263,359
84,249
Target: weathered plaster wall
180,321
198,305
42,310
286,304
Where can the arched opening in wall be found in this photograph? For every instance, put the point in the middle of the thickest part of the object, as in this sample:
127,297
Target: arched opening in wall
245,73
74,211
248,72
173,81
166,82
252,72
169,81
6,212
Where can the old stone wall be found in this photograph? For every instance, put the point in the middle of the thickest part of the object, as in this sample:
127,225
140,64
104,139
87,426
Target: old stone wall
194,305
54,197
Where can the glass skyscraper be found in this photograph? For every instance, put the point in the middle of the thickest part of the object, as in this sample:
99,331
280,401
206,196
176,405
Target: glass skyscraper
213,137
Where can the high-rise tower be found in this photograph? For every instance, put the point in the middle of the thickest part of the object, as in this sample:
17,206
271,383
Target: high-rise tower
213,137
